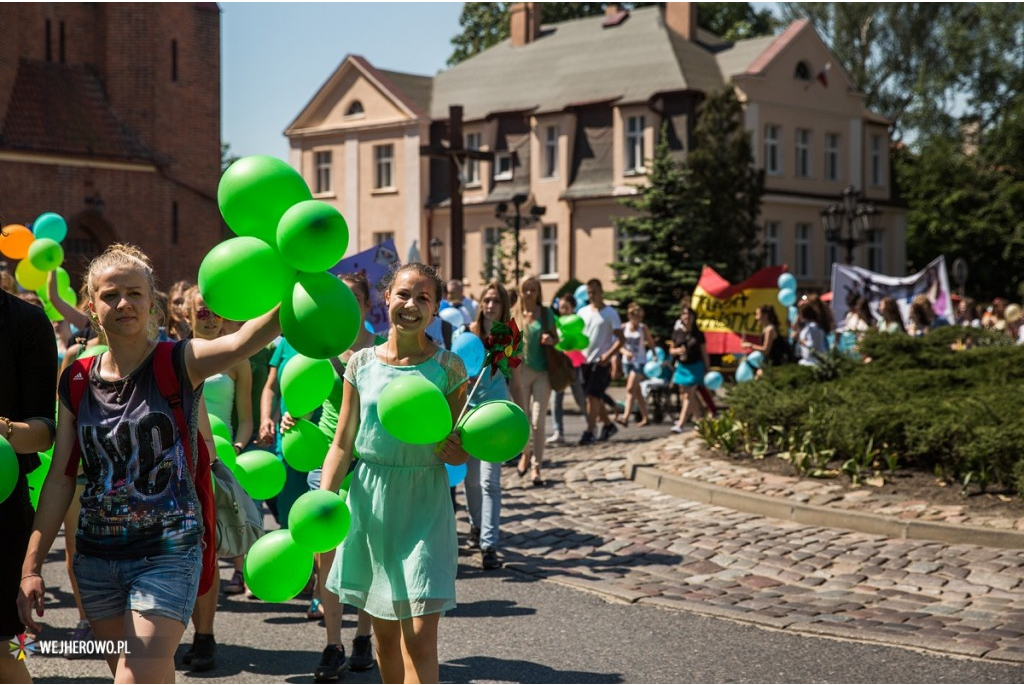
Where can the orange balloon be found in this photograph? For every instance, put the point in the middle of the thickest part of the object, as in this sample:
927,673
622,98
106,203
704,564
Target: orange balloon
16,241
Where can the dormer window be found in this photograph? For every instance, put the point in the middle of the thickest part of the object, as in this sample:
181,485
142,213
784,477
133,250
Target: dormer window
355,109
802,72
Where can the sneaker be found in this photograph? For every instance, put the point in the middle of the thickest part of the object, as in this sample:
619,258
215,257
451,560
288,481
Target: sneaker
555,439
332,664
608,431
236,586
201,655
489,560
315,611
587,438
81,633
473,540
362,654
678,429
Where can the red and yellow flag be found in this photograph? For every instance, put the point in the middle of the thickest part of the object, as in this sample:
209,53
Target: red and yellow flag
727,314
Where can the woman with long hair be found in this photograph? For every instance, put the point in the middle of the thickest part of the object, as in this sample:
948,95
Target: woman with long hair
177,311
773,346
538,325
692,362
891,320
634,352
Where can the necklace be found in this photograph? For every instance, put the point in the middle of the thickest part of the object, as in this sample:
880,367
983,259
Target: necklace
119,392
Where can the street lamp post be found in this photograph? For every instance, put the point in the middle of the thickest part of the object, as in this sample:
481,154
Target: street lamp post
860,219
435,246
516,221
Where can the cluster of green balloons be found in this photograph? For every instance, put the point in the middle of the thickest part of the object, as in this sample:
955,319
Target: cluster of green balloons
286,241
570,333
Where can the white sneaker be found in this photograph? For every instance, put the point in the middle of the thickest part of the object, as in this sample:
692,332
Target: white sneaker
555,439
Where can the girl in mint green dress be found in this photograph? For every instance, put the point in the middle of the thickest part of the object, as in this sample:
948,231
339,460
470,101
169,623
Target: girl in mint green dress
399,560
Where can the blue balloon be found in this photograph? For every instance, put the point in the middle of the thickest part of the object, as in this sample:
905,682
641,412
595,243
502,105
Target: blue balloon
754,359
652,369
471,349
445,304
456,474
368,326
581,293
787,297
787,282
792,312
452,316
744,373
713,380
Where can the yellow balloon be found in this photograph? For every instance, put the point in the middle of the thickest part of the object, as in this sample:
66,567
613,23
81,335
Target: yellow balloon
29,277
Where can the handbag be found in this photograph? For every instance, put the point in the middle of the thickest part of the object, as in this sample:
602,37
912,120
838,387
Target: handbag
560,368
239,520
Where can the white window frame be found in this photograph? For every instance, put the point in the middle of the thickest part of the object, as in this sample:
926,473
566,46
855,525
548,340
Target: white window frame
802,150
384,167
473,141
503,166
876,252
551,134
323,163
772,156
382,237
549,250
832,156
634,160
771,242
491,240
802,247
875,161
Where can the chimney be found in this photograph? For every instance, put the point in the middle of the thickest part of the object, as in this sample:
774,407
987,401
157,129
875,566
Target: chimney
681,19
524,22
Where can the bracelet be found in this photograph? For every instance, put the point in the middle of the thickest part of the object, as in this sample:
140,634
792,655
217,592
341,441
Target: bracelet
10,427
31,575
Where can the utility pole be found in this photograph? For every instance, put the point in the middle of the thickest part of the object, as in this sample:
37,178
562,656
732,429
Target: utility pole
456,154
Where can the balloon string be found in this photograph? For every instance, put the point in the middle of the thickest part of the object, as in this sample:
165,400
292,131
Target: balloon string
475,386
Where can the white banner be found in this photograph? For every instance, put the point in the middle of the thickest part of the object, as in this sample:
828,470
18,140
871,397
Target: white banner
848,282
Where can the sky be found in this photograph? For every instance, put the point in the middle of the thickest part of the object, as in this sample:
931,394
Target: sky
275,56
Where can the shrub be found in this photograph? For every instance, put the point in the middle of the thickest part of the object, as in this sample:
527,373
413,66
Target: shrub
919,404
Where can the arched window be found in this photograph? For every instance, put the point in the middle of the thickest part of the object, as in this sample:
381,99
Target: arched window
802,72
355,109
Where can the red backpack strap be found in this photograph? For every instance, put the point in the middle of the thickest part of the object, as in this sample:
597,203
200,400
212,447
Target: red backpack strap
78,383
169,384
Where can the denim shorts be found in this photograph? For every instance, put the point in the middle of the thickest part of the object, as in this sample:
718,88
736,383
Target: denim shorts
161,585
634,367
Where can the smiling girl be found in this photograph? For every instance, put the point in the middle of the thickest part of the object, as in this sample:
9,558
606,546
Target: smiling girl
399,559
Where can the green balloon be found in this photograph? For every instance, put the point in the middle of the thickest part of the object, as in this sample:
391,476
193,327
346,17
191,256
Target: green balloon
276,569
28,276
304,446
8,469
319,520
346,484
320,317
495,431
94,351
312,236
414,410
45,254
570,325
256,191
219,428
225,451
37,477
243,278
305,383
260,473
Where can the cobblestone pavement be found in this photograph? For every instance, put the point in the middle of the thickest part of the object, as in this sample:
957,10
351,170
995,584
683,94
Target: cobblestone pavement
594,529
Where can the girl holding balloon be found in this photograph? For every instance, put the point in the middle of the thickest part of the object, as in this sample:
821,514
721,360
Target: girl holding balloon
399,560
638,342
689,348
539,328
483,478
140,533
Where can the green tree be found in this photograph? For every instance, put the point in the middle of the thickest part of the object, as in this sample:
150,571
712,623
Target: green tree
700,211
486,23
227,158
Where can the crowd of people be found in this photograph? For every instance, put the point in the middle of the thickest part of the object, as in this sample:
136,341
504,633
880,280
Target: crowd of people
124,479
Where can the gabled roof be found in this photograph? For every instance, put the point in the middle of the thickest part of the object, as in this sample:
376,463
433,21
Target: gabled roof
409,92
63,109
577,61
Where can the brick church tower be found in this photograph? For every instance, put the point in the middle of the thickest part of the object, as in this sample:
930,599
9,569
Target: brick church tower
110,116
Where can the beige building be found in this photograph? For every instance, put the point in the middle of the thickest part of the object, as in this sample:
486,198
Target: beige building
571,113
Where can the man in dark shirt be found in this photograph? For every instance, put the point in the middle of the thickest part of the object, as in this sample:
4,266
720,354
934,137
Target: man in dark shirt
28,377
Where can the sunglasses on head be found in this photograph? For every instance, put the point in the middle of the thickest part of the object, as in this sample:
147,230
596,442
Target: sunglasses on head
204,314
